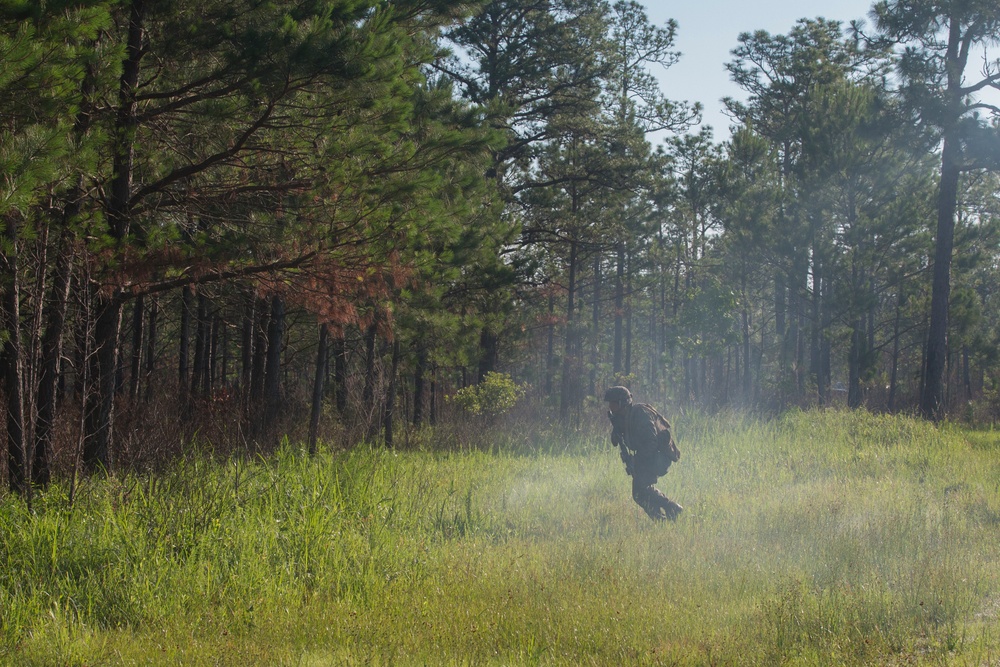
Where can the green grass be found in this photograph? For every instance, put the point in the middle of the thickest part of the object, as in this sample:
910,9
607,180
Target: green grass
823,538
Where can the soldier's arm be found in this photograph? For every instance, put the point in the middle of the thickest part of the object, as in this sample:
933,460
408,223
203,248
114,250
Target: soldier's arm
627,459
617,435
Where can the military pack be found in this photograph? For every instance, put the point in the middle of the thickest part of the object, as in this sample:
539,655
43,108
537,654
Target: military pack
666,449
664,440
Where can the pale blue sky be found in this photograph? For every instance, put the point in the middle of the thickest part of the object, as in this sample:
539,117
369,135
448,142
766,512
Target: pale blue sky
707,32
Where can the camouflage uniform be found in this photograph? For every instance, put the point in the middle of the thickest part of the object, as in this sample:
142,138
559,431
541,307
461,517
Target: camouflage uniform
634,429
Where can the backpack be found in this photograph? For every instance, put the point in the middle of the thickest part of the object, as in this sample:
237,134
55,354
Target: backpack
666,448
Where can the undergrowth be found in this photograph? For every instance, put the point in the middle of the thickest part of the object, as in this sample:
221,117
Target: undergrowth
821,538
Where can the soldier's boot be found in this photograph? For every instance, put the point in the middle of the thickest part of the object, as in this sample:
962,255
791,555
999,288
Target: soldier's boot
656,505
672,510
655,512
647,498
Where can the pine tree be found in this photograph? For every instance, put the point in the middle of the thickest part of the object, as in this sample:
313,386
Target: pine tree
938,39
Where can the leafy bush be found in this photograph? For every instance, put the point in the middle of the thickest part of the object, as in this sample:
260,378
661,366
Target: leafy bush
494,396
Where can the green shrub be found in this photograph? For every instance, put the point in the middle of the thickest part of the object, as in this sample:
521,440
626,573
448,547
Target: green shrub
494,396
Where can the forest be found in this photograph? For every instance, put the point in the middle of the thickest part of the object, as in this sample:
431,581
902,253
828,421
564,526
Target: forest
227,222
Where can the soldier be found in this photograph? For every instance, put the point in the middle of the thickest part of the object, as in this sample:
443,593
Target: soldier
647,450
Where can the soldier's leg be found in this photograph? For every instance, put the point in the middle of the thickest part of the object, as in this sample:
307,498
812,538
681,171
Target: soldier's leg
644,491
647,496
652,500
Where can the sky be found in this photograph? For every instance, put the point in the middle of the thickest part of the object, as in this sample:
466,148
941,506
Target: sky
707,31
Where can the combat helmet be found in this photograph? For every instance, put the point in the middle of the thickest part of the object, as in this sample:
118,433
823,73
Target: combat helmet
618,395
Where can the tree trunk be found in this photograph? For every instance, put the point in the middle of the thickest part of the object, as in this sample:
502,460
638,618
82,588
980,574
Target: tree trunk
628,316
389,415
815,361
595,333
97,443
12,359
434,391
932,395
790,343
966,375
419,384
489,352
854,365
154,314
246,348
57,305
184,344
200,347
891,401
550,353
569,359
322,356
620,307
368,393
780,305
259,361
340,374
135,365
652,363
661,349
54,317
272,371
747,377
217,357
99,419
205,334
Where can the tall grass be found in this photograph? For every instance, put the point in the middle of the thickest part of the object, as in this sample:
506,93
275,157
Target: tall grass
823,538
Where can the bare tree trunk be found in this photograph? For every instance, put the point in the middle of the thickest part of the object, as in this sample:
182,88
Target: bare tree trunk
550,357
52,343
619,308
434,394
815,360
272,372
569,359
595,323
154,314
97,454
854,365
135,366
661,348
895,350
368,393
390,397
246,348
489,348
259,361
184,347
932,396
322,356
652,363
224,360
780,305
213,353
628,315
419,384
200,347
340,373
747,367
13,365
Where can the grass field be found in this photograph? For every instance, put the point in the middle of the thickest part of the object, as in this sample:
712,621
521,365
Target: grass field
822,538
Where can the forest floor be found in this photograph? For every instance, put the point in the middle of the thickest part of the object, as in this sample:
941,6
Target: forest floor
820,538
